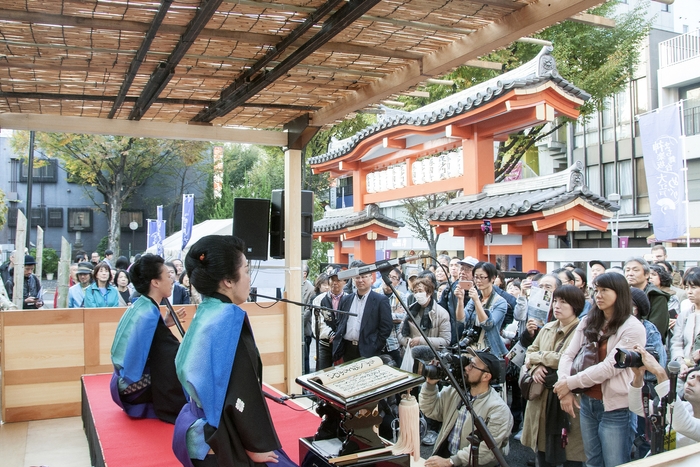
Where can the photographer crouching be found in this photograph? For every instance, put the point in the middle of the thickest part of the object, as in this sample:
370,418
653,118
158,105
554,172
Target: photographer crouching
683,415
453,446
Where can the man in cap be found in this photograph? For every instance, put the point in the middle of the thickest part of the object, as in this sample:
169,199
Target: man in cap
76,294
597,268
455,298
32,285
481,370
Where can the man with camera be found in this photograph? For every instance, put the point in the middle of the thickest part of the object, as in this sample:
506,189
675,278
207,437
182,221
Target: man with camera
685,418
452,446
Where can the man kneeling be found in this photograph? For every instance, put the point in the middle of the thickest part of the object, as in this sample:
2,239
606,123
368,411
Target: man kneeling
452,446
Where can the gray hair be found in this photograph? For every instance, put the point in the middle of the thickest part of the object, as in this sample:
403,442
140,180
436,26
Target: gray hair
640,260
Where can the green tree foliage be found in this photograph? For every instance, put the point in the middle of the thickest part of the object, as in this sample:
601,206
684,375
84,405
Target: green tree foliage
49,260
115,166
3,209
249,172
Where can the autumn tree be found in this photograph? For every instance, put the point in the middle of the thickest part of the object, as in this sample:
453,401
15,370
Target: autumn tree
415,210
115,166
3,209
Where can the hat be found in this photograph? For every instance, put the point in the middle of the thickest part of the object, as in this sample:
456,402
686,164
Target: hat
412,273
469,261
29,260
492,362
641,301
84,268
334,272
532,272
594,262
108,252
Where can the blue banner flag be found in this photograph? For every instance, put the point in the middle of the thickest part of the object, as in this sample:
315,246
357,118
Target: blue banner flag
187,218
152,230
160,231
663,160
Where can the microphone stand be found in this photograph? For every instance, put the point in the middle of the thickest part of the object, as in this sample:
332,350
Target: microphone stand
316,310
482,432
178,324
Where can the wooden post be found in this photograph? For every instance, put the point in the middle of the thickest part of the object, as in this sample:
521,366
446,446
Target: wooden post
39,252
292,263
20,239
64,273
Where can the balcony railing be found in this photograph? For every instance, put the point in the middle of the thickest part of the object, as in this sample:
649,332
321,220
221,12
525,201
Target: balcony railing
691,116
679,48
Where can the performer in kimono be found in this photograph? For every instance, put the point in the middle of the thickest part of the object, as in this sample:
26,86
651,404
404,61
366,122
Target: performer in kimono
144,382
227,421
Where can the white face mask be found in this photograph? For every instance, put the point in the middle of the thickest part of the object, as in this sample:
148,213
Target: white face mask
421,298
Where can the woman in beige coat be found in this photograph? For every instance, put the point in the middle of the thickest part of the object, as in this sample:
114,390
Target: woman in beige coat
552,340
431,317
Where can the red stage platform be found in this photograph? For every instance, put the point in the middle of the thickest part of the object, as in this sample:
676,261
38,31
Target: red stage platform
116,440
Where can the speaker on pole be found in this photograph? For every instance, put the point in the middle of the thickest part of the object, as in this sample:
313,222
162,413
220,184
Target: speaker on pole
251,222
277,233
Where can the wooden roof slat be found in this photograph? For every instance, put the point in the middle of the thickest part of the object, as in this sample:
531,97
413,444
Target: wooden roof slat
165,71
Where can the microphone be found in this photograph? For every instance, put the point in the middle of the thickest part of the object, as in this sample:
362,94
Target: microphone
674,368
274,398
382,265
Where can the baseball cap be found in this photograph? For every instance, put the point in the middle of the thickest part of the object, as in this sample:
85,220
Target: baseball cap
334,272
492,362
84,268
593,262
412,273
532,272
469,261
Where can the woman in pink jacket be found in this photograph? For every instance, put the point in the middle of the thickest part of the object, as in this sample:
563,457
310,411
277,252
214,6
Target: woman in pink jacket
604,409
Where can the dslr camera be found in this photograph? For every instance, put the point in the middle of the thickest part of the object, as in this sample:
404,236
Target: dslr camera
433,370
631,359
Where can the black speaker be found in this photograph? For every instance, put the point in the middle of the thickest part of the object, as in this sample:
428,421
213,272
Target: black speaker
277,224
251,222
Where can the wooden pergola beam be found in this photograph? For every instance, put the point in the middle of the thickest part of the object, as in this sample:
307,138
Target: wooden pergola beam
523,22
146,129
593,20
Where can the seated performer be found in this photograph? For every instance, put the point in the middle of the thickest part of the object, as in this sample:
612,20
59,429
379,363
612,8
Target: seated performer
226,422
144,383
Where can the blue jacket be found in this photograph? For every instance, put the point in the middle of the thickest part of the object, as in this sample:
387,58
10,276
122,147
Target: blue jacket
492,326
76,296
95,299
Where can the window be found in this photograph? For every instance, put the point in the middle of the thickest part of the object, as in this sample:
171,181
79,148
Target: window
129,216
626,192
45,171
39,217
12,216
55,217
694,179
578,133
592,130
79,220
608,120
609,179
593,178
623,114
642,189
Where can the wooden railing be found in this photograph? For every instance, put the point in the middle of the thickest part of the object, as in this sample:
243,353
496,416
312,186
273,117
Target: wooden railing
43,353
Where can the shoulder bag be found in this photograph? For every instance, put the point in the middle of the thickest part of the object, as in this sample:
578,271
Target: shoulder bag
586,357
528,387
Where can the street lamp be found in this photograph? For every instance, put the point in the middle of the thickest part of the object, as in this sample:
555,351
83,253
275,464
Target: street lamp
133,225
615,221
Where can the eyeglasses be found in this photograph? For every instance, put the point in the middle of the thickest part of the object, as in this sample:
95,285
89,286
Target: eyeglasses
481,278
393,278
471,365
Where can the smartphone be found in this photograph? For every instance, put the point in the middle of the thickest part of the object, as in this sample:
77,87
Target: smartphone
535,284
466,285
